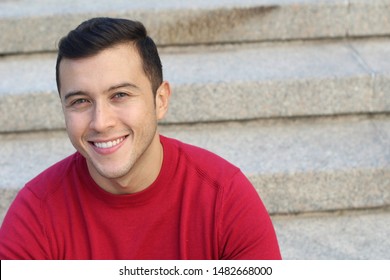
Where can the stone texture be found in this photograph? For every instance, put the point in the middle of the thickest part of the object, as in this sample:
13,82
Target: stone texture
361,235
28,98
376,57
37,26
274,80
369,18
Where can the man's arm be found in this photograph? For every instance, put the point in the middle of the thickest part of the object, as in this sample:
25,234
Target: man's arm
246,228
22,234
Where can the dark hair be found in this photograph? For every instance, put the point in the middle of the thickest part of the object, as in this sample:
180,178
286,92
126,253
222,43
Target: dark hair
97,34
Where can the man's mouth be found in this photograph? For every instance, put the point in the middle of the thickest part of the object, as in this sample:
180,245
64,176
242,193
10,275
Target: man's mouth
108,144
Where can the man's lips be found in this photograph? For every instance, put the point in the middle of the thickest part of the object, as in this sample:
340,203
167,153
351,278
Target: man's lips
108,144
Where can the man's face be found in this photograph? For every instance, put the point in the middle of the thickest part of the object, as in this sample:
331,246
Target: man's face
111,113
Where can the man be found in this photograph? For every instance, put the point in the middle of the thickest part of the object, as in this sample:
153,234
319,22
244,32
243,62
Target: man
128,192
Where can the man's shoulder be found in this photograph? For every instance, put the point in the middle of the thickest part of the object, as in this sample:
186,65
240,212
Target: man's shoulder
49,180
205,161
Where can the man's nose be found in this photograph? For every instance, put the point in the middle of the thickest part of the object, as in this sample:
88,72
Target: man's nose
103,117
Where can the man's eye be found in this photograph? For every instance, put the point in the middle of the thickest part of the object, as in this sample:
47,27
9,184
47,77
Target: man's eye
81,102
120,95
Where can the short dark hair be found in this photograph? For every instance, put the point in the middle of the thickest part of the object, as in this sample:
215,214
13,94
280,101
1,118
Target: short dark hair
97,34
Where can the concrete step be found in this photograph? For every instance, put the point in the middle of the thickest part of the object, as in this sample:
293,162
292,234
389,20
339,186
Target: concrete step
297,165
351,235
35,26
224,83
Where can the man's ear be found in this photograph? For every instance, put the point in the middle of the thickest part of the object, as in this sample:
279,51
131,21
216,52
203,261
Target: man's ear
162,99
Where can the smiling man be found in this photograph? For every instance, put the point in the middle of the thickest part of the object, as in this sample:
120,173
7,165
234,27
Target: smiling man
111,117
129,192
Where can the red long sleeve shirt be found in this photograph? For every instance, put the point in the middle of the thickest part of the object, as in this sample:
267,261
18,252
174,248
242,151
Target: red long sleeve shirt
199,207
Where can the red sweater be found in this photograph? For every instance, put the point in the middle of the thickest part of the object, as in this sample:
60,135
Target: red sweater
199,207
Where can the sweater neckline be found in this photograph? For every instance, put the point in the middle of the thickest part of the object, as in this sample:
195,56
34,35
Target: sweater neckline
135,199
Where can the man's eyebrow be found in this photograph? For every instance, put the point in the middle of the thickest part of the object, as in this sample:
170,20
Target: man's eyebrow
73,93
123,85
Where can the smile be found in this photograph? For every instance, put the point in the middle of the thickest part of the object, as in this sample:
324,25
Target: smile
109,144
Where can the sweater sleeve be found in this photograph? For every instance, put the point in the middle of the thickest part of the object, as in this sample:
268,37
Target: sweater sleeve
22,235
246,230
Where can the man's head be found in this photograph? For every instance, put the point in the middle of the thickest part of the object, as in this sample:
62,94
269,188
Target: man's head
112,94
98,34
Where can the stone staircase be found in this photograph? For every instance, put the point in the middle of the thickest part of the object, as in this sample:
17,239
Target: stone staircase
294,92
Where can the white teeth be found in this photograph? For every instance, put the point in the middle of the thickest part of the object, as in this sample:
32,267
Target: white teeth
109,144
